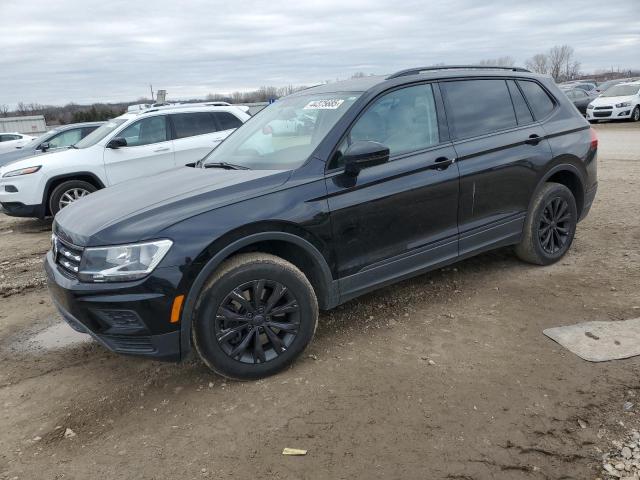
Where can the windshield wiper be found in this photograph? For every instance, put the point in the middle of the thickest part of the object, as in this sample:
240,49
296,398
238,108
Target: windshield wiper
225,165
73,146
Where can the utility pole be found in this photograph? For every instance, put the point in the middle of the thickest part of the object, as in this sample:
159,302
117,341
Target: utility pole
151,87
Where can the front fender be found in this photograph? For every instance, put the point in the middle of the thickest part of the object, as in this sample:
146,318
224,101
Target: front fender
329,292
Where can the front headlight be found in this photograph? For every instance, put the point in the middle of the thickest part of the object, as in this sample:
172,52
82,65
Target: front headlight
122,263
623,104
590,106
22,171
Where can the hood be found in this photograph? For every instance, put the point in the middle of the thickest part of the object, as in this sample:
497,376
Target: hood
29,157
138,209
611,100
12,155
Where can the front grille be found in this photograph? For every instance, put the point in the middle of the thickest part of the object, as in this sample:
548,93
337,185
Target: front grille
603,108
601,114
67,256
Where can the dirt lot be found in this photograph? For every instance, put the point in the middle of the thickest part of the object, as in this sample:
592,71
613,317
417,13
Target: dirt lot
444,376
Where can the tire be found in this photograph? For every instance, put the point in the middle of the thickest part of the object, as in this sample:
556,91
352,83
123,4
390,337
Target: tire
544,243
635,115
66,191
245,343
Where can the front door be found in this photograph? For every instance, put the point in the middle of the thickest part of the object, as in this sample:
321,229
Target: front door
149,150
395,218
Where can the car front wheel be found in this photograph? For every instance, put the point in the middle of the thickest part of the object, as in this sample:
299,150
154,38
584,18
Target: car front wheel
68,192
635,115
254,317
550,225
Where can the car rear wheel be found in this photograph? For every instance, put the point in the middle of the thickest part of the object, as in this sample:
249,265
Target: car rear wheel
68,192
254,317
635,115
550,225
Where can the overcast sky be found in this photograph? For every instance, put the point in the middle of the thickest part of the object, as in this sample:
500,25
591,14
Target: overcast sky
87,51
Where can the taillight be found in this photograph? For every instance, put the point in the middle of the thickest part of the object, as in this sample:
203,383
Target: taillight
594,139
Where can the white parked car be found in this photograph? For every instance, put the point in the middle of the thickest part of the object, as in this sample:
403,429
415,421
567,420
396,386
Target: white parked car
133,145
619,102
11,141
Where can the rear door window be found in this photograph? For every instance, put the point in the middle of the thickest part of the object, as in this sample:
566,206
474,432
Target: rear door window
523,114
478,107
192,124
538,98
226,120
87,130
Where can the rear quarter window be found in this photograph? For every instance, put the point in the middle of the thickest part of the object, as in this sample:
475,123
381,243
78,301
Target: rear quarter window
539,100
478,107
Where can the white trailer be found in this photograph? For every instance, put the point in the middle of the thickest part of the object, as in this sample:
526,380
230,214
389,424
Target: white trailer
30,125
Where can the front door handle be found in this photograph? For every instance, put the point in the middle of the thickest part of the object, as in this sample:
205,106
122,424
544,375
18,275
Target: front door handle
165,149
441,163
533,139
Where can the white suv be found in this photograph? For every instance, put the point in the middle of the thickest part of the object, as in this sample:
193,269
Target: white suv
133,145
622,101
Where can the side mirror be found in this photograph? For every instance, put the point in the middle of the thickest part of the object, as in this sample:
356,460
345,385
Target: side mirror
364,154
117,143
44,146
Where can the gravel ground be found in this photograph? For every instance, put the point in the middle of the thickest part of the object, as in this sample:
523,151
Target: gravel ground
445,376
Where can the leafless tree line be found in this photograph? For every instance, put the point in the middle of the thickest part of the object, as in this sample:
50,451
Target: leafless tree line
559,62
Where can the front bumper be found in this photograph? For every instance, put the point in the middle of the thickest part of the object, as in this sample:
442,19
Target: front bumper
126,317
612,113
19,209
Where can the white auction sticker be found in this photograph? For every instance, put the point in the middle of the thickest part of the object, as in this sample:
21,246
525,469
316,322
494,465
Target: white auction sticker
328,104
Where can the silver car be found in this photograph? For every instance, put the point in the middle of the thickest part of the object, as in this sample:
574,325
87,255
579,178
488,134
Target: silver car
58,138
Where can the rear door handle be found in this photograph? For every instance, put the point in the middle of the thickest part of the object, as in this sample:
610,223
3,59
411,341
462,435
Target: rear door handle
533,139
441,163
165,149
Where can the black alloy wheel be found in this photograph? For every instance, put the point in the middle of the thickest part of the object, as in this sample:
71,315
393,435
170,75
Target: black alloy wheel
257,321
254,317
549,226
554,227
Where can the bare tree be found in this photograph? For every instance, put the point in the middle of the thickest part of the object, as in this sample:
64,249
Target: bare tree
506,61
539,63
559,62
4,109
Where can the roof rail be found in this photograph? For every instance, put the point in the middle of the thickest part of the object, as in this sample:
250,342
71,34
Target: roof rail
175,106
415,71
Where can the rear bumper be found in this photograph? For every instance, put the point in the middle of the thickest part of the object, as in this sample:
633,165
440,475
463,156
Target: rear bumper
589,197
130,318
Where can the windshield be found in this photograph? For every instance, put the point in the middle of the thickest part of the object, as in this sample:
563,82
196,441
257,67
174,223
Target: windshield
621,91
283,135
100,132
43,137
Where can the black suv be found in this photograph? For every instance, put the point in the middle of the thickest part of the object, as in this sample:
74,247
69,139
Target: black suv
325,195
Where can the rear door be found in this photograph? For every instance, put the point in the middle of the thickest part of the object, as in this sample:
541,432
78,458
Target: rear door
500,148
394,218
195,135
149,150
